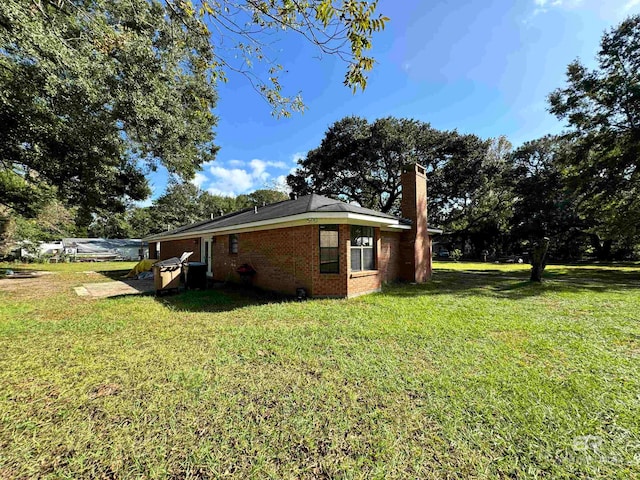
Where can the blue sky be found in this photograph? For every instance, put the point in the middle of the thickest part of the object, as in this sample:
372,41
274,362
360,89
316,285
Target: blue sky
479,66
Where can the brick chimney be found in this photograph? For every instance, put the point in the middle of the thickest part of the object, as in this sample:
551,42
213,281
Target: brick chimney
415,244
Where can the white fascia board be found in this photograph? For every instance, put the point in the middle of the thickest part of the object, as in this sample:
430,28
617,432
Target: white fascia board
310,218
395,228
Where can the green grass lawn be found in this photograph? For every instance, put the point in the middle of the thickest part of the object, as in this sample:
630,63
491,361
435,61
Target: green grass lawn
477,374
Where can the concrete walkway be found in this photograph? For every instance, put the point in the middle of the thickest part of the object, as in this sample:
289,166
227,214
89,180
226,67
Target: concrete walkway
114,289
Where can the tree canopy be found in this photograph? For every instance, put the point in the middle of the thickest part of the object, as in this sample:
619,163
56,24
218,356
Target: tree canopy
181,204
362,162
94,93
602,109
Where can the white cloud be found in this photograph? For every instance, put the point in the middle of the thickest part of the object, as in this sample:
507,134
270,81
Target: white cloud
631,4
609,10
296,157
281,184
199,179
233,181
215,191
259,166
543,6
230,181
557,3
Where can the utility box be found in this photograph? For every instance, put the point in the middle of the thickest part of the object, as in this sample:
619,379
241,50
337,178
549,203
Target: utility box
167,274
196,275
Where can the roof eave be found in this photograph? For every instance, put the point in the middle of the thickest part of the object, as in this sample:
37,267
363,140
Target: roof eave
291,220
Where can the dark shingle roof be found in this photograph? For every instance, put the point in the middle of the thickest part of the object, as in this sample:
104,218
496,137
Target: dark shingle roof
306,204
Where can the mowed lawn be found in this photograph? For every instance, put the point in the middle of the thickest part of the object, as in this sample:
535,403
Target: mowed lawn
477,374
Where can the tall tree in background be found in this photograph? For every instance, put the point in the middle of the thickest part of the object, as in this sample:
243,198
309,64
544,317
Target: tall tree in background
544,205
602,109
181,204
53,222
469,192
362,162
259,198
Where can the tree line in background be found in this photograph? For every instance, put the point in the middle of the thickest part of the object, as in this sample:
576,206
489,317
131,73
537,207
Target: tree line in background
182,203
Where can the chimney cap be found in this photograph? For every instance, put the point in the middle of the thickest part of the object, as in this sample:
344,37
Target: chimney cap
415,168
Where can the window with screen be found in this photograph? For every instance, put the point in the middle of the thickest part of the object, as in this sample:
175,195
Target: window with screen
363,248
329,249
233,243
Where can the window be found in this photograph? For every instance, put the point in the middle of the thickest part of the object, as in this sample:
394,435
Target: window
233,243
363,248
329,249
206,252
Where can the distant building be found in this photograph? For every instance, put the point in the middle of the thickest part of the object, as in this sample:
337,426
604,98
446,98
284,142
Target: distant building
105,248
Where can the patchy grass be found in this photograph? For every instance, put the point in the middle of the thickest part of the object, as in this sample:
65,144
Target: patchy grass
69,267
477,374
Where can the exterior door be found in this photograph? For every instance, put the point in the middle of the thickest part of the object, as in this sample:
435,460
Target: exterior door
206,255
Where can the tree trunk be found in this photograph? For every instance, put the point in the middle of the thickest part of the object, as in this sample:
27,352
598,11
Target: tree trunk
7,230
539,259
602,248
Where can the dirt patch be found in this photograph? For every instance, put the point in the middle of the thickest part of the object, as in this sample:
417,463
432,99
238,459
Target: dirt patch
29,284
104,390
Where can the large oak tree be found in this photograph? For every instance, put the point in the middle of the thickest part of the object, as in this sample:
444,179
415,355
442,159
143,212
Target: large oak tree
362,162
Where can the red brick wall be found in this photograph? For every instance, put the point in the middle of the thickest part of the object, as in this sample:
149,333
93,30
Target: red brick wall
175,248
289,258
284,258
389,256
281,258
364,282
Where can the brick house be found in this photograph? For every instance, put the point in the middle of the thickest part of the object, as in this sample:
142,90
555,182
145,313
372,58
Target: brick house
327,247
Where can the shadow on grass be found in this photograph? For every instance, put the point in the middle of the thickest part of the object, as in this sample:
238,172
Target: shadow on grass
209,300
114,274
221,298
497,284
516,285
